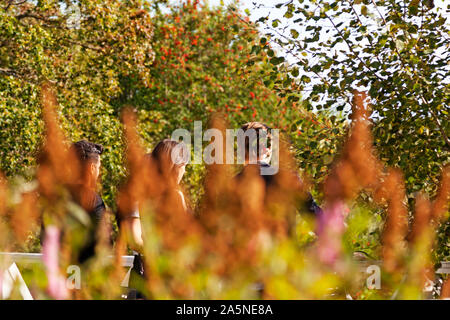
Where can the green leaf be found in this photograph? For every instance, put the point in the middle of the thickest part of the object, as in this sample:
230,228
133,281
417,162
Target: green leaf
364,11
305,79
276,61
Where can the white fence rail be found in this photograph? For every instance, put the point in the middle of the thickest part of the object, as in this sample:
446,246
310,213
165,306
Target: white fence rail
444,269
12,274
127,261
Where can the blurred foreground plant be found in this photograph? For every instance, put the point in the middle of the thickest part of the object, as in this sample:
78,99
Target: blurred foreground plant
240,244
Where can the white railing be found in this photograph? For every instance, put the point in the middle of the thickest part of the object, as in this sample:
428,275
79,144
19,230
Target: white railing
127,261
12,274
444,269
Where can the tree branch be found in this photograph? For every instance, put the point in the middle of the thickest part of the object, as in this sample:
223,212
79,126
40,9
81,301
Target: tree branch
85,45
438,122
350,47
31,78
390,34
11,3
28,14
360,22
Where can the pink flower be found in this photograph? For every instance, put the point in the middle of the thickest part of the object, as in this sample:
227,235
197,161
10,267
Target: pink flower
50,249
330,228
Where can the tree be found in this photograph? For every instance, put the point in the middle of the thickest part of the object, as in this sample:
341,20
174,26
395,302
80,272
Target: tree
207,61
396,50
183,64
83,48
204,64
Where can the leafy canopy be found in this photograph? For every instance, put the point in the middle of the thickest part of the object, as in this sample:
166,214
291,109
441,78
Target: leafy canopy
398,51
